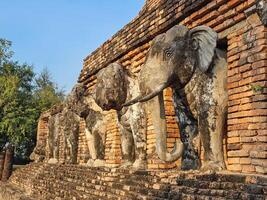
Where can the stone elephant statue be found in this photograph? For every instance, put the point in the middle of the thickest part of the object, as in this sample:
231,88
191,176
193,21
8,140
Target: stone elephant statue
52,145
82,104
261,7
115,85
70,125
188,62
65,125
38,154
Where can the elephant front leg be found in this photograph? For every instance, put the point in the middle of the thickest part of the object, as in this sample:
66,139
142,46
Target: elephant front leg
55,147
139,128
72,146
188,131
127,147
96,150
211,127
49,147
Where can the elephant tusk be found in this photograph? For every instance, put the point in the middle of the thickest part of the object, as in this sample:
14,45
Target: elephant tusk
133,101
147,97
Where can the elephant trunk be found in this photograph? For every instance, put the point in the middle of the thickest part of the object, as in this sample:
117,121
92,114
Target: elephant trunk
157,110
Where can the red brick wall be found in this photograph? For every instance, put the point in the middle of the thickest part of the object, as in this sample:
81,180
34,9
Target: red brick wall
42,130
247,113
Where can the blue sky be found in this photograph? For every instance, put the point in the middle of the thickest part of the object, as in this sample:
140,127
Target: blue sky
58,34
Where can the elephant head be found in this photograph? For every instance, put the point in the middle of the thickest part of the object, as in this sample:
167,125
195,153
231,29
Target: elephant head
171,62
261,7
111,87
76,101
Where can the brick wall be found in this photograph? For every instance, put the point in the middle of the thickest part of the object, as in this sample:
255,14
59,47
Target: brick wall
246,40
83,151
247,120
42,130
68,182
152,3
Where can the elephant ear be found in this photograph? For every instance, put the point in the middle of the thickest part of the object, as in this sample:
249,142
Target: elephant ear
204,41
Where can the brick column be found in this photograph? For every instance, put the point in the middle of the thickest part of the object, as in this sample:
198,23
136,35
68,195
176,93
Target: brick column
8,164
83,151
2,160
113,155
247,112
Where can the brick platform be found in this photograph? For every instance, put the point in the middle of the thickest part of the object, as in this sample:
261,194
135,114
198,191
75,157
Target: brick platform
68,182
11,192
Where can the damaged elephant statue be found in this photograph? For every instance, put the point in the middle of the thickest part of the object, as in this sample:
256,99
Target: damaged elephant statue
116,85
188,62
70,128
261,7
38,154
82,104
52,145
64,124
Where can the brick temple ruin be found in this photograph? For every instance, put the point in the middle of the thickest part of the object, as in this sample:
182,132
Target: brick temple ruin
64,169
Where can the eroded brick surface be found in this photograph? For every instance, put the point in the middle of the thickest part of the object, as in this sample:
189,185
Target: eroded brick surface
66,182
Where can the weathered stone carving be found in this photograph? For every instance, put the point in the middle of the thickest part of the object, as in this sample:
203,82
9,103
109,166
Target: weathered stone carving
81,103
64,121
261,7
52,147
187,61
114,87
95,133
38,154
70,124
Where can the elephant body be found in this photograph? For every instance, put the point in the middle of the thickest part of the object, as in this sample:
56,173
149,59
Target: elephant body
95,133
188,62
113,88
81,104
205,101
70,129
52,146
66,125
132,124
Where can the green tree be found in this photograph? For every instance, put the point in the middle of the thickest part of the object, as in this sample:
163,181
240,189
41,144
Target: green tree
22,99
5,52
46,91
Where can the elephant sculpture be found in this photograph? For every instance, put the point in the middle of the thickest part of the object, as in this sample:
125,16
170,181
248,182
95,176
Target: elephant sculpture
70,125
115,85
82,104
261,7
52,146
38,154
188,62
65,125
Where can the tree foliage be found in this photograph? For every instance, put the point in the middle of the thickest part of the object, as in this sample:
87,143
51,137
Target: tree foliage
23,96
46,92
